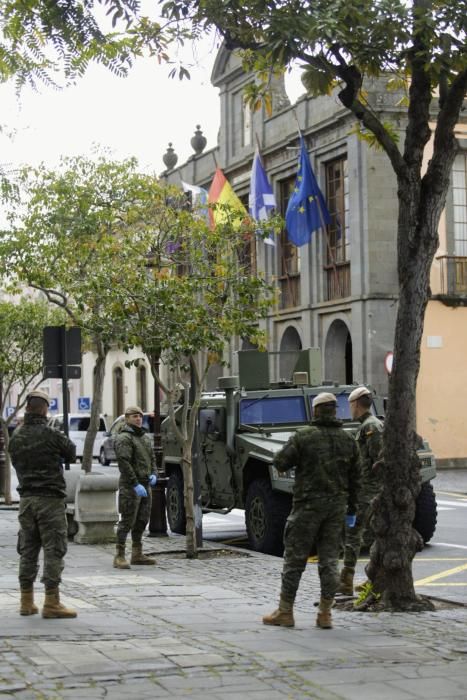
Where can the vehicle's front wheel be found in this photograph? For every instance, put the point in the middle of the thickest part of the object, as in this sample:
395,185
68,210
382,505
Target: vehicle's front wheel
426,513
265,514
176,515
102,459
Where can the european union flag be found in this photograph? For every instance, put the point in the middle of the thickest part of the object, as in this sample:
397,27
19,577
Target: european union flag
306,210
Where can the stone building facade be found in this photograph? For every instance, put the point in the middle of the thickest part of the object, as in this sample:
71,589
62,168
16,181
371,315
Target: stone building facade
339,292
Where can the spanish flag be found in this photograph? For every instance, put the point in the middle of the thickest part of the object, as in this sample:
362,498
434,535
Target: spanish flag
221,192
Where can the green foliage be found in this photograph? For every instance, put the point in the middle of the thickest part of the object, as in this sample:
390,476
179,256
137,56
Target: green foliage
21,329
48,42
370,138
365,593
338,42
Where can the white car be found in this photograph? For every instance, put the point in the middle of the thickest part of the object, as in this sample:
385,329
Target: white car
78,426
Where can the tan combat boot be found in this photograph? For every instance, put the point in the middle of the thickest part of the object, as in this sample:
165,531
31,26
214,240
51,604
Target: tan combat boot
323,618
137,556
119,559
27,606
283,616
346,582
53,608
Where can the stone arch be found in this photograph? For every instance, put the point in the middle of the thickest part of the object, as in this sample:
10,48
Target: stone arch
338,353
290,345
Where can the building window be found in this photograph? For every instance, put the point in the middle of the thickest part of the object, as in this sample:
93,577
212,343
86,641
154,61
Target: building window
141,387
338,245
289,261
118,391
453,268
459,194
247,251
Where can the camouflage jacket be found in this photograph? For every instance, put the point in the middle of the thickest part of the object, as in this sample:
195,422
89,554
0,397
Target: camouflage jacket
369,438
37,453
135,456
327,464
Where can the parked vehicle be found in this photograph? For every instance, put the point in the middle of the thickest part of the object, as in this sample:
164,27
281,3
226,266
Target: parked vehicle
240,429
107,449
78,424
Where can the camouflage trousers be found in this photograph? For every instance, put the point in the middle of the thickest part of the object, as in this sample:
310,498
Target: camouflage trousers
43,525
134,515
354,535
320,526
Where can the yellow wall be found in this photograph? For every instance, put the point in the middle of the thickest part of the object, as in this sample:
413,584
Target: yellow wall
442,384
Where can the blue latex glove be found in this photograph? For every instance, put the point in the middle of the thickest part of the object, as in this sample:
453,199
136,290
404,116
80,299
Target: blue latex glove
152,480
350,520
140,491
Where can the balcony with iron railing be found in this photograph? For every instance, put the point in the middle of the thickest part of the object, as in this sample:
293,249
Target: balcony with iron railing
453,276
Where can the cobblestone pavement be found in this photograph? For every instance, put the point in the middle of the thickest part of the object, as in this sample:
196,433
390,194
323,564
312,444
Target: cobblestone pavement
192,629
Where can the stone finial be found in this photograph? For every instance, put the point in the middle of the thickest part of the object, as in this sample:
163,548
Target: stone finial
170,158
198,141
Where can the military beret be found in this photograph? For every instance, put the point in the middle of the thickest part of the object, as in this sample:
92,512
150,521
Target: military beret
37,394
358,392
324,397
131,410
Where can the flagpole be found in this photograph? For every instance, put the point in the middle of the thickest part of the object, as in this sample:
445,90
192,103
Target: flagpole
323,224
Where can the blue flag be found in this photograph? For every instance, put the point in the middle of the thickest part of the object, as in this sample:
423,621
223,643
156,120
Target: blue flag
306,210
262,201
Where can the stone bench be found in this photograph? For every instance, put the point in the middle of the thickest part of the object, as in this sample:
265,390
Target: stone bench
91,506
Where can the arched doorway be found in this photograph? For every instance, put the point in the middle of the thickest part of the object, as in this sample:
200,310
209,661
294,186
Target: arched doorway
117,381
290,346
338,354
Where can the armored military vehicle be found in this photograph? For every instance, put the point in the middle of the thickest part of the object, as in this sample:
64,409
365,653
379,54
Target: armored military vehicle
242,426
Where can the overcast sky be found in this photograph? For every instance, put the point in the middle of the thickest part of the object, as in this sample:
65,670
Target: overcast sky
133,116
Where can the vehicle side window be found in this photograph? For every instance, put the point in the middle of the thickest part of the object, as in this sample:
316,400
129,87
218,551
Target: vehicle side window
102,427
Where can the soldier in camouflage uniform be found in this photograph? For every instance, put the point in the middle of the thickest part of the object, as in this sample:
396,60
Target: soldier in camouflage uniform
327,481
135,456
369,439
37,453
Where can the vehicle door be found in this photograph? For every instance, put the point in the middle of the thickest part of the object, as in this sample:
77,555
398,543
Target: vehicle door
214,461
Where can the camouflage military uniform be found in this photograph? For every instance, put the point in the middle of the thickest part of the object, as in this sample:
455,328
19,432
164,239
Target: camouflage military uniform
37,453
327,481
369,440
135,456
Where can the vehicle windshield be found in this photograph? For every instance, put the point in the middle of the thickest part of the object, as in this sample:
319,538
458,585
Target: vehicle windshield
343,406
273,410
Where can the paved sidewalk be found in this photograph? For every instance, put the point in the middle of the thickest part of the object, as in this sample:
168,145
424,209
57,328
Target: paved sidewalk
192,629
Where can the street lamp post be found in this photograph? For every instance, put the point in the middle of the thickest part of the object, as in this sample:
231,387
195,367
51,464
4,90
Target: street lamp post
158,520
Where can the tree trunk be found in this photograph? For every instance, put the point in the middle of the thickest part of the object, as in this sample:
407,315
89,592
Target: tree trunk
396,541
96,406
7,481
191,547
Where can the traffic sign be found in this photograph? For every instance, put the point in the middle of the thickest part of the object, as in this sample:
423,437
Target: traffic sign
53,406
10,410
55,371
84,403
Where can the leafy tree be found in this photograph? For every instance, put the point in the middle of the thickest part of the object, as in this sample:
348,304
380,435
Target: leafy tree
21,326
418,45
71,236
197,294
46,42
